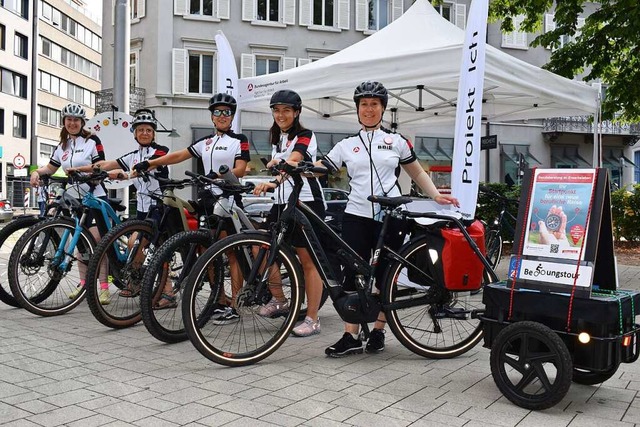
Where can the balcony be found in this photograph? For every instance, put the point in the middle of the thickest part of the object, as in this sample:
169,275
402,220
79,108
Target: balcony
104,99
555,126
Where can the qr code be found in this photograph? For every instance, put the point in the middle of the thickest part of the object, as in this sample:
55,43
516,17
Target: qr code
554,248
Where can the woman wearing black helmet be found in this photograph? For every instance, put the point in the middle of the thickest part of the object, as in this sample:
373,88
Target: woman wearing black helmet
222,148
372,158
78,147
292,142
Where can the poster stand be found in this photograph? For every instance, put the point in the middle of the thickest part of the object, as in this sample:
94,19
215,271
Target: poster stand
564,235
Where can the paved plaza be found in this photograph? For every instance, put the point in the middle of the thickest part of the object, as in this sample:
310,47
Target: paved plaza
70,370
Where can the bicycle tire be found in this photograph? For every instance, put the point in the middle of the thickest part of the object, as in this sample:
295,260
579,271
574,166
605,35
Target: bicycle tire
172,259
34,277
493,247
439,331
121,312
9,235
252,337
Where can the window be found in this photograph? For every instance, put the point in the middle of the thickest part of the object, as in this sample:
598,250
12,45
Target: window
1,121
550,25
19,7
19,125
323,12
137,9
49,116
373,15
201,7
200,73
378,14
267,66
516,39
3,35
446,10
268,10
21,46
13,83
133,69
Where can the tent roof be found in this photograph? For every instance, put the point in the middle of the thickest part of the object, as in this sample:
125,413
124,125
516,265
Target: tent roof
417,57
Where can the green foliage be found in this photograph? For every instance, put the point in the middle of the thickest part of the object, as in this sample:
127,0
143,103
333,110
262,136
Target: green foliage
605,48
489,207
625,210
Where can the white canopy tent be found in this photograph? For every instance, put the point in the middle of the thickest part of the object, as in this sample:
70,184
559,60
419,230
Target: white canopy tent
417,57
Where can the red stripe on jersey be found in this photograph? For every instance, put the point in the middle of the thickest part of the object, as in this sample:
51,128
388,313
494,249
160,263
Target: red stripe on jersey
410,144
304,140
244,146
160,153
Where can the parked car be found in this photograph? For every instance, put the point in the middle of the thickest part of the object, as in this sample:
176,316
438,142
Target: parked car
6,213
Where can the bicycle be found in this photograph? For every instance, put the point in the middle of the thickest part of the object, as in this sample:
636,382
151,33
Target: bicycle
45,254
12,231
493,236
127,250
423,314
173,261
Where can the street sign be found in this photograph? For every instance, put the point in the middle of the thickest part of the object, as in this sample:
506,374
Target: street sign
488,142
19,161
19,172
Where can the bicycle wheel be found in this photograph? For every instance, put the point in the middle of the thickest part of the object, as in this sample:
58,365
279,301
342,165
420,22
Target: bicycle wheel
439,330
114,275
493,244
9,235
41,267
166,274
239,336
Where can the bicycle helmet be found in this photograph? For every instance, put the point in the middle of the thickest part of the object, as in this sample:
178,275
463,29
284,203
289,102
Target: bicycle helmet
74,110
286,97
371,89
223,99
144,116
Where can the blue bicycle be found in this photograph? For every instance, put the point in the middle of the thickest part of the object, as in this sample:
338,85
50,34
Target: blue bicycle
41,272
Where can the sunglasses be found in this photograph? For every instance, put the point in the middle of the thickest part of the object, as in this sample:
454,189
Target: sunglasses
218,113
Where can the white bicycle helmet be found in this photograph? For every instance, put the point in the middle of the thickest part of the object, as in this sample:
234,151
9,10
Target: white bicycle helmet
74,110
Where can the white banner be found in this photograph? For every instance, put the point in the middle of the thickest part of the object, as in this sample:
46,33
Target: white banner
550,272
227,73
465,174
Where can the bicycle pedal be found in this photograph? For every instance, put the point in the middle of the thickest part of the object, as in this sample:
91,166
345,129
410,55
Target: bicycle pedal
452,313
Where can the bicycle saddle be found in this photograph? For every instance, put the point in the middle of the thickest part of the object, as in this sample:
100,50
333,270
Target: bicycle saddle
390,201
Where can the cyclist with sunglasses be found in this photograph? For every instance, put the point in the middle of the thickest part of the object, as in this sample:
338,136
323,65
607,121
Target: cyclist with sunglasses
222,148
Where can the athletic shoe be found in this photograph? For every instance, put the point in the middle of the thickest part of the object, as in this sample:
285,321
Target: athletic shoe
218,310
375,344
307,328
104,297
230,316
346,346
74,294
274,308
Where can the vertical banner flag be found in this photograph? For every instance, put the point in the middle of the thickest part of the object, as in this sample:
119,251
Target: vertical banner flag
227,73
465,174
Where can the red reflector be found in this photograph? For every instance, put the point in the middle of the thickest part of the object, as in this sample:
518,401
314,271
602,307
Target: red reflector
626,341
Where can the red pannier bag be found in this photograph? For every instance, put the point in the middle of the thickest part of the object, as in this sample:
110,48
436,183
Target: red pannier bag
461,266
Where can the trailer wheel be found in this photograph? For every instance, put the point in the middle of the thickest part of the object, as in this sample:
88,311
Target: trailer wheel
531,365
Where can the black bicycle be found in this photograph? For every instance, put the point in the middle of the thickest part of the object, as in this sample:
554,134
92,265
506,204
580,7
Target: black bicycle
423,314
494,230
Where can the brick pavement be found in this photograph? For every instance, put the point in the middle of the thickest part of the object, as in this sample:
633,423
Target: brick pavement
70,370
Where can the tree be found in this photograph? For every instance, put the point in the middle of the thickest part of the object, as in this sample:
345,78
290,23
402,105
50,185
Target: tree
606,47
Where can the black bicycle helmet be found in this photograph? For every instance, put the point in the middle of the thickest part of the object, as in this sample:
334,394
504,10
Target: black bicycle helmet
286,97
223,99
144,116
371,89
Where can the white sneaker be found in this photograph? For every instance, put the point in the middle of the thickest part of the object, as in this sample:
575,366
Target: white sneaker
274,308
307,328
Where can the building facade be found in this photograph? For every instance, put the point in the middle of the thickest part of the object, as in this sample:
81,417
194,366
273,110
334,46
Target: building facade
173,62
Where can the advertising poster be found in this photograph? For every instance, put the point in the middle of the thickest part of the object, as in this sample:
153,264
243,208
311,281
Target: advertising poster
557,221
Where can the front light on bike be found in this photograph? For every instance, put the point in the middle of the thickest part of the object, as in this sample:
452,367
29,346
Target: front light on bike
434,255
584,337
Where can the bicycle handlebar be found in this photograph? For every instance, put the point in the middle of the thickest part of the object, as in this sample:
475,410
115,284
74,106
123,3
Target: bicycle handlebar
489,191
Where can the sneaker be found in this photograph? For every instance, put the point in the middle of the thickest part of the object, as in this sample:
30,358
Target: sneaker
346,346
218,310
274,308
307,328
230,316
104,297
74,294
375,344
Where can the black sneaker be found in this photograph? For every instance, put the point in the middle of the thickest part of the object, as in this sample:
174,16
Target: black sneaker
346,346
375,344
229,316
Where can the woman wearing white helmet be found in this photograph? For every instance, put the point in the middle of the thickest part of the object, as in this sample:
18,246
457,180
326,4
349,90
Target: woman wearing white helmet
77,148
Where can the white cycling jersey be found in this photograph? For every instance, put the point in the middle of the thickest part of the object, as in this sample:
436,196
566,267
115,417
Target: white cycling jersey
79,152
218,150
305,143
151,186
373,162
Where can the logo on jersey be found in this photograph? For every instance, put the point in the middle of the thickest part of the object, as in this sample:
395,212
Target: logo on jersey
65,156
385,147
388,140
288,143
356,149
209,141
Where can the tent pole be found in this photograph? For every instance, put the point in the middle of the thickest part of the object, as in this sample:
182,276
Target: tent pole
597,140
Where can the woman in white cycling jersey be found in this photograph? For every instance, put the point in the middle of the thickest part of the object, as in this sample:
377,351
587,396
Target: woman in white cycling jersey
290,141
373,158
